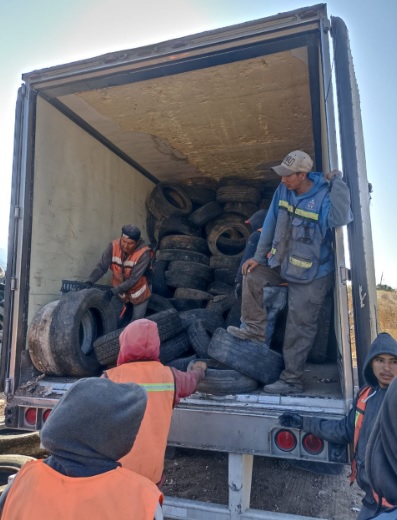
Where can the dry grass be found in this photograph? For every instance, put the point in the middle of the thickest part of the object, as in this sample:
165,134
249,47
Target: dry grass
387,312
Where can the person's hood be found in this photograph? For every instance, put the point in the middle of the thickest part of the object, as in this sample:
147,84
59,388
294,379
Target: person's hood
93,425
381,452
139,341
383,344
319,183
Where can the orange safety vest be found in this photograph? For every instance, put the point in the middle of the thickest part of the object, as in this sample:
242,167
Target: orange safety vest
147,454
39,493
122,269
358,422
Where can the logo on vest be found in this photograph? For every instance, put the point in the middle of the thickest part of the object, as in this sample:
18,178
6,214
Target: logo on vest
310,204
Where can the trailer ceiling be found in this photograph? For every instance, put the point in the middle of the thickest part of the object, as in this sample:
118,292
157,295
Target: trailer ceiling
229,109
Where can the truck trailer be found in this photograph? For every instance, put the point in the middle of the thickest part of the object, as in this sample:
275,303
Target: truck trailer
92,140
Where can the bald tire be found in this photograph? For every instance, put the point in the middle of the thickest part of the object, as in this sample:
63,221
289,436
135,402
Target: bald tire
222,380
39,340
249,358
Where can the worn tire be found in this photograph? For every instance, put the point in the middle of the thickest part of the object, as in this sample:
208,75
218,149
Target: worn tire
237,193
107,347
181,255
168,322
176,280
208,212
192,294
168,199
225,262
222,380
174,348
200,334
210,319
39,340
199,194
222,303
178,225
156,304
217,288
218,230
201,271
247,209
251,359
78,320
187,242
182,363
186,304
159,285
226,275
234,315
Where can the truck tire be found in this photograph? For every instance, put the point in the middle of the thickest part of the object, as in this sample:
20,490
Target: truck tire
200,334
168,199
181,255
236,193
39,340
78,320
176,280
251,359
197,244
159,285
201,271
199,194
219,248
182,363
210,319
208,212
168,323
174,348
178,225
222,380
107,347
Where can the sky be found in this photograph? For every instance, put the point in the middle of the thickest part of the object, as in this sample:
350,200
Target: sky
44,33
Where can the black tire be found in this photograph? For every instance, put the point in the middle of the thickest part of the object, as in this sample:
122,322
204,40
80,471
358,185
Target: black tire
151,227
156,304
221,380
222,303
174,348
199,194
237,193
174,279
234,315
226,218
159,285
200,334
202,182
217,288
210,319
168,199
78,320
319,350
178,225
204,272
251,359
107,347
11,464
231,246
180,255
168,322
182,363
247,209
186,304
227,276
225,262
218,230
197,244
192,294
208,212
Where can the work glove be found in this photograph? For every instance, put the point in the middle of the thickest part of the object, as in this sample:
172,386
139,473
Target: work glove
88,285
197,364
332,175
238,290
107,296
291,420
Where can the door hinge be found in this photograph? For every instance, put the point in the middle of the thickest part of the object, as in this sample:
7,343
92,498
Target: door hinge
17,212
345,274
13,284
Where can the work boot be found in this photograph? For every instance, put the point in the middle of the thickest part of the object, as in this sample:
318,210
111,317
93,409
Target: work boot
283,388
245,334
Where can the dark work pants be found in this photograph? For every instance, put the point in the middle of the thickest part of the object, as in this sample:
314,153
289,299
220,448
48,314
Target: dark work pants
304,304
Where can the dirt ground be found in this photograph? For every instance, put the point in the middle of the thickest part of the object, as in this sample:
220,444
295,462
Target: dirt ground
276,484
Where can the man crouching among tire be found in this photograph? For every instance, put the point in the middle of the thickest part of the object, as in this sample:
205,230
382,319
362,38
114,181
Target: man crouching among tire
129,258
94,424
138,362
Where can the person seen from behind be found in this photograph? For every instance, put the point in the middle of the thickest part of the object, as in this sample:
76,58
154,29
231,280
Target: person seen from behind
380,368
94,424
138,362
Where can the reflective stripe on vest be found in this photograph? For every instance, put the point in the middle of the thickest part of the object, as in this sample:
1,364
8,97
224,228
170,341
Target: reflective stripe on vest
40,493
122,270
358,423
147,454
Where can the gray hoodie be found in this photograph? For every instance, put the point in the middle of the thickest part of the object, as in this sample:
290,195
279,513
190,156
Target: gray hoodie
342,431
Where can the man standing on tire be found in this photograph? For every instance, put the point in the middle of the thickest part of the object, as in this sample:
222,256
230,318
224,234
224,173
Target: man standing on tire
129,259
138,362
295,246
380,368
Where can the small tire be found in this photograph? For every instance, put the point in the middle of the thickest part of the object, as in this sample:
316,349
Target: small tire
249,358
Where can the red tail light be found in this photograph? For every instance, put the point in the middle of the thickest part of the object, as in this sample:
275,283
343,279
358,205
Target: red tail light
312,444
31,416
285,440
46,415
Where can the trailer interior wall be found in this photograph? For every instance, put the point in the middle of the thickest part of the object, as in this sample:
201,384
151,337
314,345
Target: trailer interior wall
83,194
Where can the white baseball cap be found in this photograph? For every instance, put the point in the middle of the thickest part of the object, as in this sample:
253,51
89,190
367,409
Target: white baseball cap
294,162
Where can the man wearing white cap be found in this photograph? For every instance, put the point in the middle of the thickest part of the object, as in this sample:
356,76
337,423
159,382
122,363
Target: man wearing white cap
295,246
